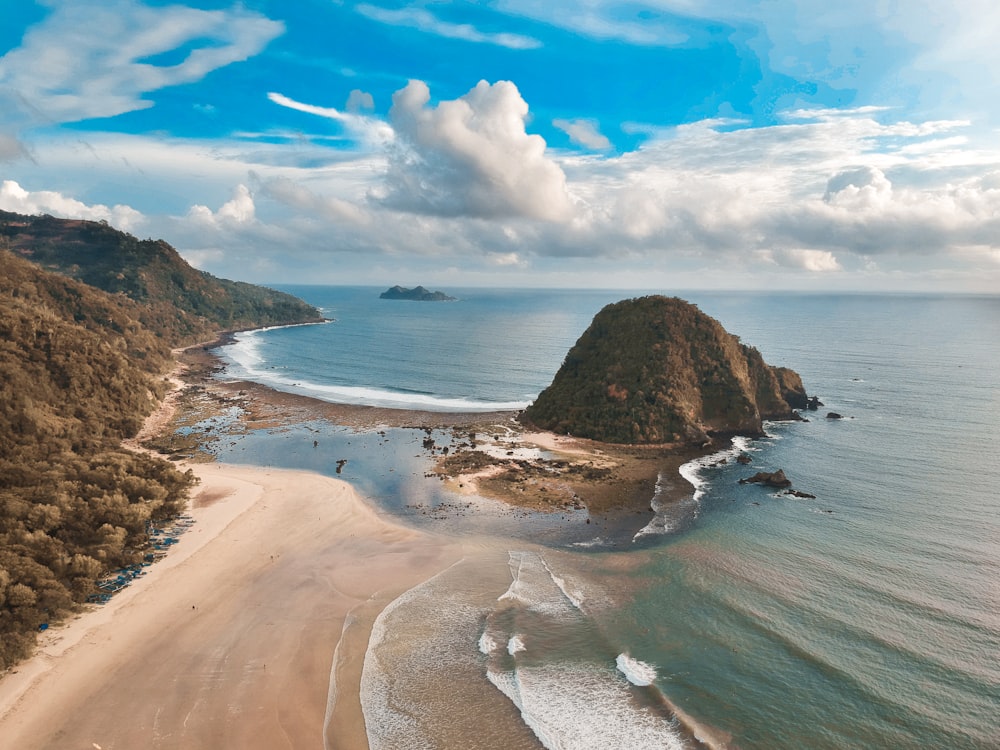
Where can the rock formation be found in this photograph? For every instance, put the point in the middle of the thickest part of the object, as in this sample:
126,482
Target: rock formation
658,370
769,478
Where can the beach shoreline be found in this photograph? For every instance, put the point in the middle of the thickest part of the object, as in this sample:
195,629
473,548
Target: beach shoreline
230,639
252,631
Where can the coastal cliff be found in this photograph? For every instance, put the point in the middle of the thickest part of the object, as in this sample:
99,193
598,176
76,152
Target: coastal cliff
657,370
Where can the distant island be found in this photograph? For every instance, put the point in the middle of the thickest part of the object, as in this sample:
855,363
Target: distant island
418,294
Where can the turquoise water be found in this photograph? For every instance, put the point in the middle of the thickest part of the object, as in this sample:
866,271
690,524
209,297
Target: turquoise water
866,617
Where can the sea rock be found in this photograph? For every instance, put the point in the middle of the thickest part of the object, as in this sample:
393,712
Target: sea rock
744,458
800,493
657,370
834,415
775,479
813,403
418,294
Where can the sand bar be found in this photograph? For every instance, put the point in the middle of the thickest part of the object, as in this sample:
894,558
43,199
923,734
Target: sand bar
229,640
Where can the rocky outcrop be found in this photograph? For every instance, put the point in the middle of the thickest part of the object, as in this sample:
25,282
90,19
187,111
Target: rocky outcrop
658,370
417,294
775,479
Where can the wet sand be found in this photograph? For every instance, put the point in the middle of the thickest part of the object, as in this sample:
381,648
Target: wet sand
230,640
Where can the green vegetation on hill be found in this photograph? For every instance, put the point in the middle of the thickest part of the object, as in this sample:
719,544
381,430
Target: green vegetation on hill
178,302
86,332
658,370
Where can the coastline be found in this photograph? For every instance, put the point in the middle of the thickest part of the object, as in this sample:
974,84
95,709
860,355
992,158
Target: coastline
252,631
237,636
230,639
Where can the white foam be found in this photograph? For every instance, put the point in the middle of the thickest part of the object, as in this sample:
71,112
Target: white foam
637,672
487,644
515,645
575,597
534,586
663,516
584,707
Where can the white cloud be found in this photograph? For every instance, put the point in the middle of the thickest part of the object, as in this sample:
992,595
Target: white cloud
92,59
358,100
424,20
18,200
367,129
847,200
648,24
820,261
240,209
471,156
584,133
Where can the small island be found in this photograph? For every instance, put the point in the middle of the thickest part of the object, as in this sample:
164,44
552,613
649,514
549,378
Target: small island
417,294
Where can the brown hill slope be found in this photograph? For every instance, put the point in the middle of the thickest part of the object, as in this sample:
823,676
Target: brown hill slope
79,373
658,370
178,302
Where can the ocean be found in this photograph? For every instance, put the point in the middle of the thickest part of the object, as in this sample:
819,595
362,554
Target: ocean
866,617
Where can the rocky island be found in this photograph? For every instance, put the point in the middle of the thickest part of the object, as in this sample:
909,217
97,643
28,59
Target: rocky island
658,370
417,294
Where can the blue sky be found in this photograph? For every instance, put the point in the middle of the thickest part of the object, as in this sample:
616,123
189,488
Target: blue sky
664,144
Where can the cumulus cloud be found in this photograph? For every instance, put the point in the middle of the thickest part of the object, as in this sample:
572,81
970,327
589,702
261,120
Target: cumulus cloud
471,157
15,198
95,59
240,209
584,133
424,20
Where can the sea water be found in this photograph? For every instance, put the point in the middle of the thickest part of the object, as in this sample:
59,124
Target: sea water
866,617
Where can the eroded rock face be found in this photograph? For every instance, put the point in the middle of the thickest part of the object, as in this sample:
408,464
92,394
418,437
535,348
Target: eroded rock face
658,370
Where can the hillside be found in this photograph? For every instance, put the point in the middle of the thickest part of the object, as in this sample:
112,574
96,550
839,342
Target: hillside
79,373
178,302
88,318
658,370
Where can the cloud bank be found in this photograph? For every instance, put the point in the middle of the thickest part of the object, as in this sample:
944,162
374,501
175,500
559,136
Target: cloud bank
460,184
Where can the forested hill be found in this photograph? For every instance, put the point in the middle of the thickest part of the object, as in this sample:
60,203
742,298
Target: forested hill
659,370
81,367
180,303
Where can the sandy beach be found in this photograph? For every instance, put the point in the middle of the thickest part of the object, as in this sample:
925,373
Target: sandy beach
230,640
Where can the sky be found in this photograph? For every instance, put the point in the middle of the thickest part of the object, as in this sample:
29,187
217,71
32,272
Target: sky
654,144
